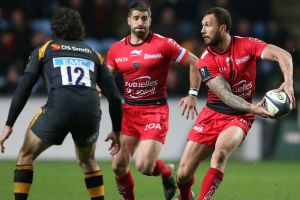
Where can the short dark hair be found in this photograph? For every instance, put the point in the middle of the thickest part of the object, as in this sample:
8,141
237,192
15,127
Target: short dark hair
67,24
140,6
222,15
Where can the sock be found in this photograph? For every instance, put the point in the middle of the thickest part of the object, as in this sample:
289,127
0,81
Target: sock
22,181
161,169
125,186
94,185
185,189
210,183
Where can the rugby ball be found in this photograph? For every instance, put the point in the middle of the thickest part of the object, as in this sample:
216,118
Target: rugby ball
277,103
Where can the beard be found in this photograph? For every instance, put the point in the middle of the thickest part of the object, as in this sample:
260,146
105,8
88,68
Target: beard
141,33
213,41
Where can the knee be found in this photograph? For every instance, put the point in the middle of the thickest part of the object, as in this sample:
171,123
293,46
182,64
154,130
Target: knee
25,158
219,158
183,174
144,167
119,167
88,165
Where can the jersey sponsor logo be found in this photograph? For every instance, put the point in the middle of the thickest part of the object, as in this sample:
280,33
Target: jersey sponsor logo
205,73
242,89
198,128
74,71
242,60
141,87
222,69
121,59
56,47
152,56
74,62
152,126
136,52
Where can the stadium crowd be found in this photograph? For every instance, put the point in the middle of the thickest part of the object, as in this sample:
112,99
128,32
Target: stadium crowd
25,24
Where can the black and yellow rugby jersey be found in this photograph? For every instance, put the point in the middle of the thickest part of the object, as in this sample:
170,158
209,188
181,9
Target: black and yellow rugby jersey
65,63
71,70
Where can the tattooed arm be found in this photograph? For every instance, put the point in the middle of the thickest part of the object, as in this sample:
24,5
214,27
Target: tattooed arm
220,87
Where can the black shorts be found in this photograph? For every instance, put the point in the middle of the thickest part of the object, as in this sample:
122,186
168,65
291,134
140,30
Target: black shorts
52,126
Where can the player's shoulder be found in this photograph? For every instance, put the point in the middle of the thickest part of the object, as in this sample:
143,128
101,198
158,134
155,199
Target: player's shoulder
244,40
118,44
206,55
162,39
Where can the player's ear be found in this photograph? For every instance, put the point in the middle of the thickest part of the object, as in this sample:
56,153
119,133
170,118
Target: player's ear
128,21
223,28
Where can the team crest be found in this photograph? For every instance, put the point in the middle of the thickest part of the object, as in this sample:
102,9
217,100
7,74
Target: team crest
136,65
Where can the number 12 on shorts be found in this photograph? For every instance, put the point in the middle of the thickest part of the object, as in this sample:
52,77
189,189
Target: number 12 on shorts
74,71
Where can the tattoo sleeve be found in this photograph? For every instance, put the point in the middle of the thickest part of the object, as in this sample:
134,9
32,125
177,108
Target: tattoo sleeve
220,87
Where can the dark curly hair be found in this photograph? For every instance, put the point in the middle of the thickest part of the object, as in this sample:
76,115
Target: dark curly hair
67,24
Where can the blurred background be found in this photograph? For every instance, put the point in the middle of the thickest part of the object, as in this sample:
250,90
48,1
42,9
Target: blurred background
25,24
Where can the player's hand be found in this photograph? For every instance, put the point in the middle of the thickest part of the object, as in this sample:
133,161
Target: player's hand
100,92
188,105
289,90
258,109
6,132
115,142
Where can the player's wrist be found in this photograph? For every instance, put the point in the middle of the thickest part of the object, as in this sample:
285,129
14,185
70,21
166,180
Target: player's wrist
193,92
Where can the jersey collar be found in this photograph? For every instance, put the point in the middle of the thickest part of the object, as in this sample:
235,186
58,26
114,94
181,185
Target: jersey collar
224,52
148,39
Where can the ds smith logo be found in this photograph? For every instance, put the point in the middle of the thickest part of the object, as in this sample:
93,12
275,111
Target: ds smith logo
57,47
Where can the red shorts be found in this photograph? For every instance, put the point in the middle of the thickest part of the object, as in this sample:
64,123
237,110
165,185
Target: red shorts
146,122
211,123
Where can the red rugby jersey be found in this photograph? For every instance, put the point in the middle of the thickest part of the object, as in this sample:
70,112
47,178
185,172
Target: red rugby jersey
145,66
237,66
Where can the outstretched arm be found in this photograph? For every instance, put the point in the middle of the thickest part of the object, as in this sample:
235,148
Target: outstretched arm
189,102
284,58
220,87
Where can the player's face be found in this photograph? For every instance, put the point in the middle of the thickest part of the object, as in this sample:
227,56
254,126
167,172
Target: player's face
211,30
139,23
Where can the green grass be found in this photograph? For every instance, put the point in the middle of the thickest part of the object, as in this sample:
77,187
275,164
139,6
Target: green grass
63,180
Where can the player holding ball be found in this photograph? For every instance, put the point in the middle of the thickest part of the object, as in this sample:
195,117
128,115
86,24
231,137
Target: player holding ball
228,68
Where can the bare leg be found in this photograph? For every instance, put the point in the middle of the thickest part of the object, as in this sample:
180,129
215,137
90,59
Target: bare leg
227,142
120,166
31,148
194,153
93,174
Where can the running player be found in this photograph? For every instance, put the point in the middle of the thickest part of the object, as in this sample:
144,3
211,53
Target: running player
143,58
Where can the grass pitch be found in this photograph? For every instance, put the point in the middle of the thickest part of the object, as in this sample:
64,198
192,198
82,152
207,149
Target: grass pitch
63,180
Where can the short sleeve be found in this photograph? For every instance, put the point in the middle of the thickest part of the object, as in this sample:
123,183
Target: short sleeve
174,51
33,63
255,46
207,67
110,58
